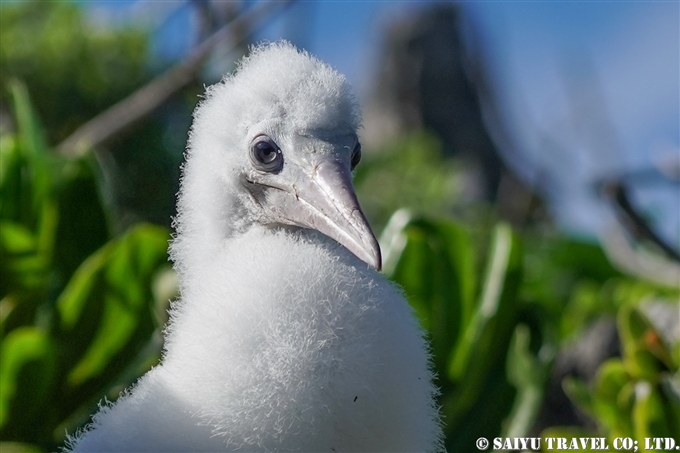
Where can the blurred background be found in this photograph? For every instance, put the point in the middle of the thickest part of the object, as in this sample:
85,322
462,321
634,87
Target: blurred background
521,167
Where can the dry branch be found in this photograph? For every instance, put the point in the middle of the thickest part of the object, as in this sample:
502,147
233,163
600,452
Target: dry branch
122,115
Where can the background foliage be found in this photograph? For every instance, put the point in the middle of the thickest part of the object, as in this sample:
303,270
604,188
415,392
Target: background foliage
84,280
77,305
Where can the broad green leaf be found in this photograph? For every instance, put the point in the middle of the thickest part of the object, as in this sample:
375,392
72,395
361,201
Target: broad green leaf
26,382
106,310
484,344
611,377
610,381
436,270
22,265
33,151
496,307
28,215
436,265
16,239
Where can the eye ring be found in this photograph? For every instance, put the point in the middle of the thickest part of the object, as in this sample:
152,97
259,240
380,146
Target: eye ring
356,156
266,155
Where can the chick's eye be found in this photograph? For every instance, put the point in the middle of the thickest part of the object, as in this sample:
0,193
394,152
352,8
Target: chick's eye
266,156
356,156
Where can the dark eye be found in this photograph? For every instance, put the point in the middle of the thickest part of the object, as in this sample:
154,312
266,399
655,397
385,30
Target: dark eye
265,155
356,156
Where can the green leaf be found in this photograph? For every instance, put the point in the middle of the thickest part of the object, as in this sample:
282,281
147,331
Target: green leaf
83,225
496,307
633,327
106,310
610,404
645,352
528,372
435,262
649,417
28,371
579,393
33,147
484,344
13,195
17,310
22,265
485,418
611,377
28,215
16,239
435,266
30,132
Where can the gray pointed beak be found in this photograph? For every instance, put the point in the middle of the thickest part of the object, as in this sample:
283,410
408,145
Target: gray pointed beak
326,202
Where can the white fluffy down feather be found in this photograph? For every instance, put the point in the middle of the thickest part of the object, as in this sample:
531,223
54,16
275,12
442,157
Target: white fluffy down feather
283,340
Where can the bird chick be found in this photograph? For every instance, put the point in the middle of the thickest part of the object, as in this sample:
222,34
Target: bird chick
286,337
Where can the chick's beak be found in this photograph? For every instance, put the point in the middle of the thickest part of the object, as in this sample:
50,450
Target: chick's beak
326,202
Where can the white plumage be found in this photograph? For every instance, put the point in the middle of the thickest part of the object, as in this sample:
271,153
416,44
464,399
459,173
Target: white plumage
283,339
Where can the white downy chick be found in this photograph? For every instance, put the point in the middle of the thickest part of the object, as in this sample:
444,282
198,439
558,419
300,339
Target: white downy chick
286,337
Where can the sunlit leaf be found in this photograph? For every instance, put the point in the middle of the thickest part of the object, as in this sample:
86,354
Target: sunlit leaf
28,370
436,268
107,309
16,239
22,265
492,320
611,380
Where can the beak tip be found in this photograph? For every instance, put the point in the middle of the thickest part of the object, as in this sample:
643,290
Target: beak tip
374,256
378,261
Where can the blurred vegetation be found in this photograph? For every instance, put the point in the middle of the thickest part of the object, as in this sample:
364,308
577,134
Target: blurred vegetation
74,70
500,303
77,305
393,179
84,282
636,395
